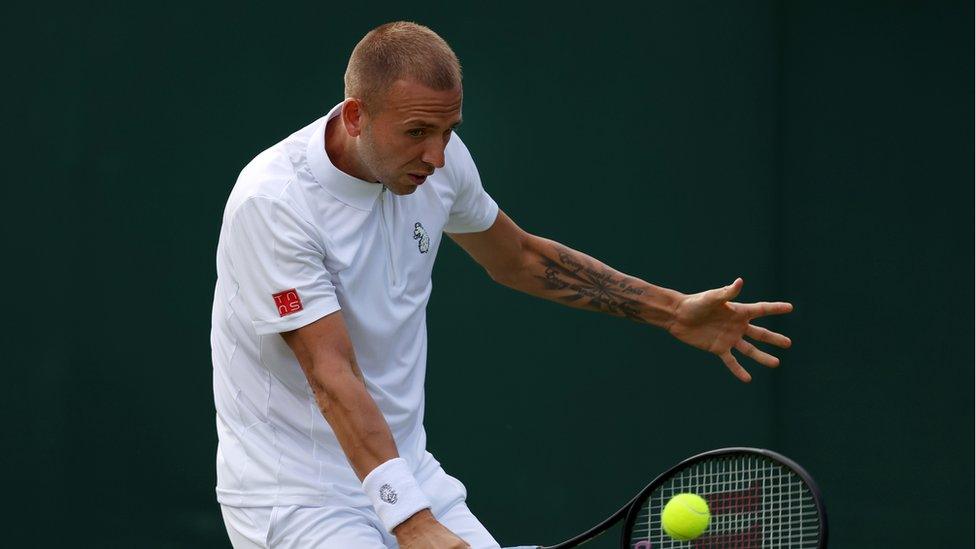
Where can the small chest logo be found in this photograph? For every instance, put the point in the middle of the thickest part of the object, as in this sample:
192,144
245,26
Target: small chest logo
287,302
420,234
388,494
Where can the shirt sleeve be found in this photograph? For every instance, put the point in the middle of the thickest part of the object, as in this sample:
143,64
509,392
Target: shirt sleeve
278,266
473,210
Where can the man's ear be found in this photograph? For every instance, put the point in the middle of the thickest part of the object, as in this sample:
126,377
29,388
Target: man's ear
353,116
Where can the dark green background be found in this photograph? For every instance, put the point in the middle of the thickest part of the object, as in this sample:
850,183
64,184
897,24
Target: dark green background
821,150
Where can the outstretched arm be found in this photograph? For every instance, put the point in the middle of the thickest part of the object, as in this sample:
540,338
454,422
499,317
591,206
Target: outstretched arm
709,320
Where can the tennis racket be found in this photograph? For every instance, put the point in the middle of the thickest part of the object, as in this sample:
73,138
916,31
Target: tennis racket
757,499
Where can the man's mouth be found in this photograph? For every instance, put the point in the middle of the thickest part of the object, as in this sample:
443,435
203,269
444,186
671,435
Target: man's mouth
418,179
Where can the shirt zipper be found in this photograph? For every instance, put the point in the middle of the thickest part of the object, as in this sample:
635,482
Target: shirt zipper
387,220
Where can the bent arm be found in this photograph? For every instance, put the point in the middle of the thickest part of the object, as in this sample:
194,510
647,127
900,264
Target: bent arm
547,269
326,355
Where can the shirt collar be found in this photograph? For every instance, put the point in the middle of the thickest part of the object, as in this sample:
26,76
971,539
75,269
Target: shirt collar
350,190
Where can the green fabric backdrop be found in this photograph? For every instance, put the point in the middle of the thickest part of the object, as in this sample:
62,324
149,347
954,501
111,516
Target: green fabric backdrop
821,150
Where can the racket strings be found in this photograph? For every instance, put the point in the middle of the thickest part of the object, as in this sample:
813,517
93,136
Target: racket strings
754,503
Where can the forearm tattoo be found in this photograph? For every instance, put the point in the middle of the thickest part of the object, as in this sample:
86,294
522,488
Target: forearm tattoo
601,288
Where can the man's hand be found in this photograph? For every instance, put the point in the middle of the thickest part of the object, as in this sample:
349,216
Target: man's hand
711,321
422,531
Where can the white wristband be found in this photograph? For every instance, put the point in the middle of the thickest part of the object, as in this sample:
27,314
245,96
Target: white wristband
395,494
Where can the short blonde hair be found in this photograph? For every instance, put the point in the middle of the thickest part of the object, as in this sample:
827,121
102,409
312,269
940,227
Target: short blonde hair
399,50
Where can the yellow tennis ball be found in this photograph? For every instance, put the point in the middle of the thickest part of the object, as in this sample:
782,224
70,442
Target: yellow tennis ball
685,517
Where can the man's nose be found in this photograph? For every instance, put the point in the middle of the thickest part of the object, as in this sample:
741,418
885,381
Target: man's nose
434,155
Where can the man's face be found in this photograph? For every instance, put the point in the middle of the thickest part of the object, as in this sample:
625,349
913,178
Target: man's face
403,141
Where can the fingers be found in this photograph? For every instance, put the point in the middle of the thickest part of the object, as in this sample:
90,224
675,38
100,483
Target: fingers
767,336
733,365
732,290
765,308
752,352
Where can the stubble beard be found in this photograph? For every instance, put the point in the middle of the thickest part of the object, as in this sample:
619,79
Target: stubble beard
369,157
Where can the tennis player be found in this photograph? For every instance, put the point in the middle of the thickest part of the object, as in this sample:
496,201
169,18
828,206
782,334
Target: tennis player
319,336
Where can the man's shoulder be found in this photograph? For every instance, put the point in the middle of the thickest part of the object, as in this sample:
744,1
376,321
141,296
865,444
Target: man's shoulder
459,171
456,155
278,173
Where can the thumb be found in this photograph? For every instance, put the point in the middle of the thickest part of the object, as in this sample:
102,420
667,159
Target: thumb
731,291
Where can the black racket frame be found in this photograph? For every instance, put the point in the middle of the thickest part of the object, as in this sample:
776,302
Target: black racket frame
630,511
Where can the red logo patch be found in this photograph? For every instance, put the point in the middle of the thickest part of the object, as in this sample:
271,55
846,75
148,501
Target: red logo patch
287,302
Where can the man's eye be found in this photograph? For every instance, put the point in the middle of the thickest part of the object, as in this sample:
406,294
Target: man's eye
416,133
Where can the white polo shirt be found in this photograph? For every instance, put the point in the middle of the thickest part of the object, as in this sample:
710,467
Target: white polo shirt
300,240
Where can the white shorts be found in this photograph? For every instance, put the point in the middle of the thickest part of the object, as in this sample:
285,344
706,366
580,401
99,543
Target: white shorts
345,527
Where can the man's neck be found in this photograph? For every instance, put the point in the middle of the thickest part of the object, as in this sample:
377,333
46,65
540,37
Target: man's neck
342,151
